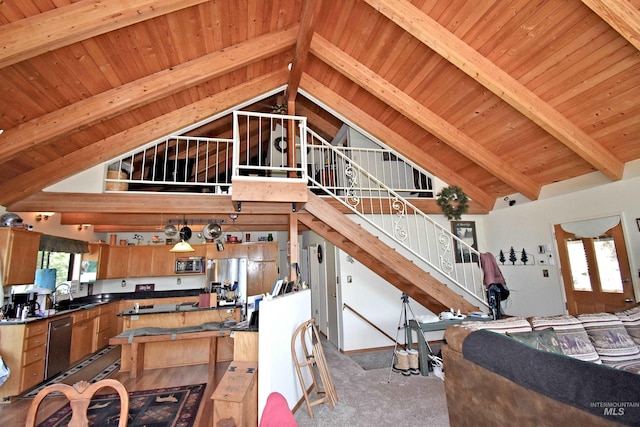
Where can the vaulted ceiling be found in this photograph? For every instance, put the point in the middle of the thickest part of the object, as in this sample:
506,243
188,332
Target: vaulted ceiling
496,96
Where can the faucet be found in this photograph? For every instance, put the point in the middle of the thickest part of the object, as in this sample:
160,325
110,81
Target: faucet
55,293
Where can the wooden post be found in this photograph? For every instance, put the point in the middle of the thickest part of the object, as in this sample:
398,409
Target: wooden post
291,138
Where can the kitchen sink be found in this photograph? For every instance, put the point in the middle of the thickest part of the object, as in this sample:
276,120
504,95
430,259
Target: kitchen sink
74,306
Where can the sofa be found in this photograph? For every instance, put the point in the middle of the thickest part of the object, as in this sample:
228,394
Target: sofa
544,371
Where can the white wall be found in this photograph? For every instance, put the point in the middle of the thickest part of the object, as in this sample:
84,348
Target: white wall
279,318
527,225
524,225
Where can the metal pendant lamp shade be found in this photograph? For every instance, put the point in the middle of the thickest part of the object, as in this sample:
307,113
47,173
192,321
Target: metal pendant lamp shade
182,246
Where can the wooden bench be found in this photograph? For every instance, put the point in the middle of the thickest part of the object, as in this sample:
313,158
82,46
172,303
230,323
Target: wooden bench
137,343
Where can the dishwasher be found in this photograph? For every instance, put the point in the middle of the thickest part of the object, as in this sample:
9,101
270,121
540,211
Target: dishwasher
58,346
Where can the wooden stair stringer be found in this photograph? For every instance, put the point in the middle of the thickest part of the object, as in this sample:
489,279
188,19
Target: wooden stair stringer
381,258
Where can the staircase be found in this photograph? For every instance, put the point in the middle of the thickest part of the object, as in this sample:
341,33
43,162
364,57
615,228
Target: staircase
260,173
369,250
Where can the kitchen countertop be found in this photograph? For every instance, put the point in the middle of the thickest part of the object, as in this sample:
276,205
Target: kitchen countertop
170,308
5,321
87,302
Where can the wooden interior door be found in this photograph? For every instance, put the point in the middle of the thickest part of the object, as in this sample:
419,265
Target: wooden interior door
595,271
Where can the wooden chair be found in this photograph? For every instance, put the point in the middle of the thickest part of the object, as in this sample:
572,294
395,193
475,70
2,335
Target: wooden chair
79,396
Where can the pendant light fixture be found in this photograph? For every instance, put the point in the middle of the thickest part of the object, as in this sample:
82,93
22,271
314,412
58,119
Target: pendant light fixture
183,245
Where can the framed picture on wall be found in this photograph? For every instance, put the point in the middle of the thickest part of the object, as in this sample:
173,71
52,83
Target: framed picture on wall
466,232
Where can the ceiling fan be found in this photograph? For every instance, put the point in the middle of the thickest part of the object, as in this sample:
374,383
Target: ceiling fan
274,105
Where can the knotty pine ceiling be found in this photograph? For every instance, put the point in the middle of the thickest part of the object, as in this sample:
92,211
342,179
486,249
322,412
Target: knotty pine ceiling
498,97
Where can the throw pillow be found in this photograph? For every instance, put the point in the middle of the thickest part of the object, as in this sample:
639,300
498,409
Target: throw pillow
545,340
631,321
501,326
610,338
572,336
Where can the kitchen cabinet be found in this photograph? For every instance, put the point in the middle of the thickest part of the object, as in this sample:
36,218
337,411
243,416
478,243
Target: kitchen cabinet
140,261
106,325
263,251
231,250
163,262
260,276
19,255
118,264
33,358
23,348
99,253
82,335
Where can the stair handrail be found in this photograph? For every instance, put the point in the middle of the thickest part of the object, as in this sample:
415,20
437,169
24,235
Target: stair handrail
454,259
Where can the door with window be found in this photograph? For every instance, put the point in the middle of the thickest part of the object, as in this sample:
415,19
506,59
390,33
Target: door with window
595,270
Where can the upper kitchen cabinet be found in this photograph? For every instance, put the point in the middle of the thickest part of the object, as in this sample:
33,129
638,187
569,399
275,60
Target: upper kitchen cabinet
140,261
118,264
19,255
98,253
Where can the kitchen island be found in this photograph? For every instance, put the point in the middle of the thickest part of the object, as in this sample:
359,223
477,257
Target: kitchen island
173,353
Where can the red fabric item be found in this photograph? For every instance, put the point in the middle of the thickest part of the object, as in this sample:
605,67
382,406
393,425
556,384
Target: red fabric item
492,273
276,412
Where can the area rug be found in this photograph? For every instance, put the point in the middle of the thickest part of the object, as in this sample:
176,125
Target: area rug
172,406
104,373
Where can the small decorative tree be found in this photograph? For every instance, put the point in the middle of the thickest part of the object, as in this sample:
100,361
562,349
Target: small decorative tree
524,258
512,256
501,258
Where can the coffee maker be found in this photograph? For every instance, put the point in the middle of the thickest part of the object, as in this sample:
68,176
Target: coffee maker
33,305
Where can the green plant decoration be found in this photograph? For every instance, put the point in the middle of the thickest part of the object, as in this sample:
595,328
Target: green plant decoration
453,202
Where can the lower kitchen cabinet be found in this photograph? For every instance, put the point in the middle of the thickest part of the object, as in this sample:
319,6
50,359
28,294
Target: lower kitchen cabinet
106,325
23,348
84,330
33,357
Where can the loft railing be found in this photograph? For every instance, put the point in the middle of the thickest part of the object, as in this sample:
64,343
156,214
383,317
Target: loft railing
174,164
260,148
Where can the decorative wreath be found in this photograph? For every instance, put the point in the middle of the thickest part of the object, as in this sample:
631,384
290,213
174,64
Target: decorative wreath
453,202
281,144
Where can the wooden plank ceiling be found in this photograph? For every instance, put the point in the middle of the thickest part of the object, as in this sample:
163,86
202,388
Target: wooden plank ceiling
498,97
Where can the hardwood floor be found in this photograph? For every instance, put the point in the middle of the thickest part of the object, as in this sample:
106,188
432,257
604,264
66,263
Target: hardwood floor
14,414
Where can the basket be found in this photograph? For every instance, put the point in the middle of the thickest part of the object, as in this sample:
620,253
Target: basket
116,186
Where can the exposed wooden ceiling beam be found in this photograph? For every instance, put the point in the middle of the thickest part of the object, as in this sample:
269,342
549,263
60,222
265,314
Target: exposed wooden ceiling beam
310,11
423,117
317,122
393,140
64,121
76,22
118,144
478,67
621,16
156,203
161,219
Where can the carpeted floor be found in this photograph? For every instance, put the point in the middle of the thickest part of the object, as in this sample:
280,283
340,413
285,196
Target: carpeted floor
377,397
